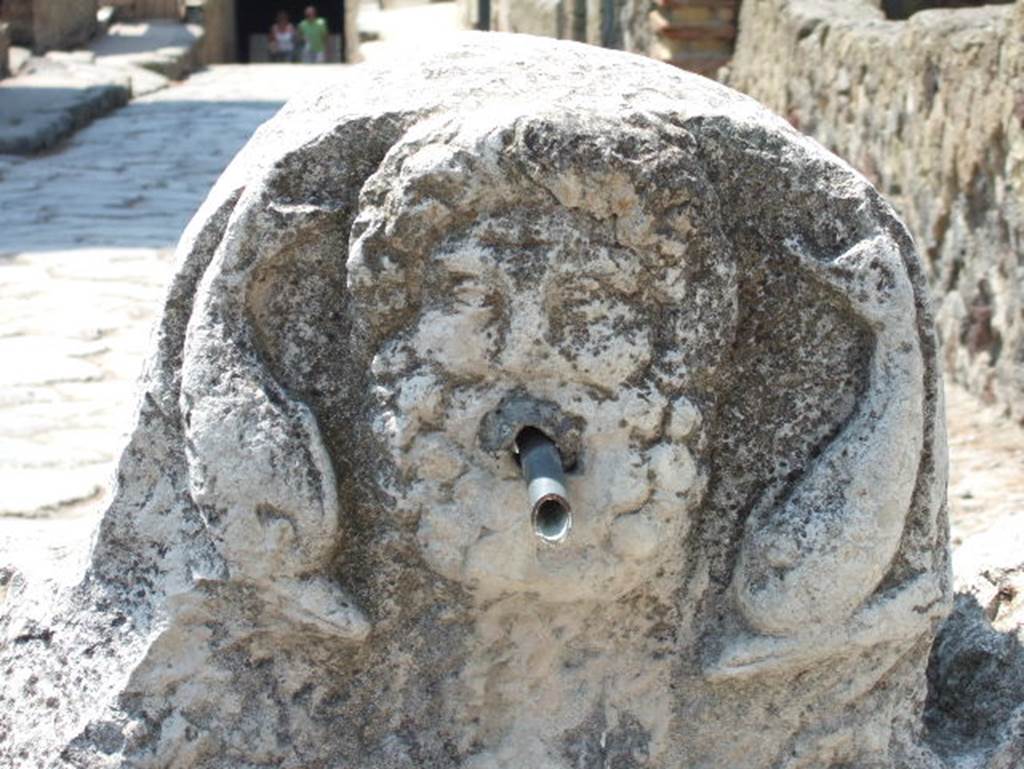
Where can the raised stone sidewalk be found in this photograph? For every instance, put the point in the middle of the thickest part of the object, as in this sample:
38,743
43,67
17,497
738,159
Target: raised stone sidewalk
163,48
54,95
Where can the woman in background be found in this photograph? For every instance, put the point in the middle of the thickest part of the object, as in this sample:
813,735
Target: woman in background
282,39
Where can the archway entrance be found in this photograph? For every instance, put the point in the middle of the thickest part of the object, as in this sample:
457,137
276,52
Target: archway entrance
257,16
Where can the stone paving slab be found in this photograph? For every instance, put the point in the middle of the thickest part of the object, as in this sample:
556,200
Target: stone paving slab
135,178
74,327
85,254
986,484
53,97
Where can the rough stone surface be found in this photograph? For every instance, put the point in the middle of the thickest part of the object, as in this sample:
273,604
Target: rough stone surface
930,110
975,711
319,554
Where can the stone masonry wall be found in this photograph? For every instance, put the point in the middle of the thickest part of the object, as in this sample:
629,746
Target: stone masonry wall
64,23
5,46
47,24
17,14
930,109
696,35
219,43
586,21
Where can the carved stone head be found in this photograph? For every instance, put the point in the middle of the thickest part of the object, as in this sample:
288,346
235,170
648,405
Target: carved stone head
322,528
530,273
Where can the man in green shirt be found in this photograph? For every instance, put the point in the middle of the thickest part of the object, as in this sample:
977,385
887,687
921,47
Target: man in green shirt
313,30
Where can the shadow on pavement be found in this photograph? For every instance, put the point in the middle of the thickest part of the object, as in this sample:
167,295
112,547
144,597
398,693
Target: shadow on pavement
133,180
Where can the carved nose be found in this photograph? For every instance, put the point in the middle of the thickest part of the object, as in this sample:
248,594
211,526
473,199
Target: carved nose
525,347
550,513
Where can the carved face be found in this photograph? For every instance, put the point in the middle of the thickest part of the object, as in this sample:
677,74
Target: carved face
550,312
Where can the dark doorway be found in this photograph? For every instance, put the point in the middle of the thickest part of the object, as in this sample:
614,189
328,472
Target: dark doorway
254,17
904,9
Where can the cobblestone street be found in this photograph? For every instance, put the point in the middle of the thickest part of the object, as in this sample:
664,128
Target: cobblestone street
135,178
85,252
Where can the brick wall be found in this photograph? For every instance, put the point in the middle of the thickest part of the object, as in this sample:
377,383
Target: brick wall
697,35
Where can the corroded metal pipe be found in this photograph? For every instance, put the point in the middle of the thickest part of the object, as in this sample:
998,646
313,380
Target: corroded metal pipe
541,464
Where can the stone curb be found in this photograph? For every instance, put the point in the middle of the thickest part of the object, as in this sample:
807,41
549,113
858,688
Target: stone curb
42,107
62,92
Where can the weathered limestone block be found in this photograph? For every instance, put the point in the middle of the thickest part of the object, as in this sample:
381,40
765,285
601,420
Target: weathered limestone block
320,552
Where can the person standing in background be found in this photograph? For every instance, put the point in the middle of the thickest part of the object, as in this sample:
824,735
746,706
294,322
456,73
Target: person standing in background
313,30
282,39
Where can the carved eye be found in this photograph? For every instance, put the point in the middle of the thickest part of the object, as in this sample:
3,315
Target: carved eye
460,329
600,331
583,307
470,292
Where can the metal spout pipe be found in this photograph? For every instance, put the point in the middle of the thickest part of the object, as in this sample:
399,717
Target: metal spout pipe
541,464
